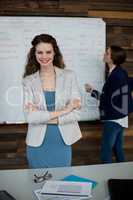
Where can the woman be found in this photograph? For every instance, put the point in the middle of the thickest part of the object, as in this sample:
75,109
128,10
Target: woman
51,105
113,105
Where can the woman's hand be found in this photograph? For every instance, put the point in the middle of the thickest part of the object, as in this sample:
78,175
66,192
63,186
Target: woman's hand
71,105
76,103
31,107
53,121
88,88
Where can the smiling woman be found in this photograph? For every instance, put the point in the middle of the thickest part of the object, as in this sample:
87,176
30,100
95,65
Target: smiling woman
44,54
51,112
45,57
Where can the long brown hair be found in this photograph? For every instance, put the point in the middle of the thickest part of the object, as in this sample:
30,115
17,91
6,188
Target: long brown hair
32,65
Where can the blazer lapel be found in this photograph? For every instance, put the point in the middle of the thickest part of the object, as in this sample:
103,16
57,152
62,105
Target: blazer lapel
39,90
59,86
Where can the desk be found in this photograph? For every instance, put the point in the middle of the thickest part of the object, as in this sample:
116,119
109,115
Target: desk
20,183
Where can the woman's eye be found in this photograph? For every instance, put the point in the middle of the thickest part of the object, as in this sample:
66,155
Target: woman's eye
39,52
48,52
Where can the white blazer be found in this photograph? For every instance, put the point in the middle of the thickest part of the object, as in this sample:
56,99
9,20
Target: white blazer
66,89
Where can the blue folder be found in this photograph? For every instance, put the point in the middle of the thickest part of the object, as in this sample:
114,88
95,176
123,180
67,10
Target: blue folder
80,179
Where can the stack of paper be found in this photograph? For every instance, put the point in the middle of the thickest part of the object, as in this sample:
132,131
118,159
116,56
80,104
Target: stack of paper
64,190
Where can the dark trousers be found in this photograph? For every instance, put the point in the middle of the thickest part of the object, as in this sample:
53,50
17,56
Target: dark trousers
112,139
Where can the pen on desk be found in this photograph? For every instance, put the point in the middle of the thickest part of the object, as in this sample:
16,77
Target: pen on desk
42,176
39,179
45,174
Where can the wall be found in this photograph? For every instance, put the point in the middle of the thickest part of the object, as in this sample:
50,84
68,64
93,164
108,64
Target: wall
119,19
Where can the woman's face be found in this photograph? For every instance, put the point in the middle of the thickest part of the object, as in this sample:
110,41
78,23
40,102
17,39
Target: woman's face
44,54
107,56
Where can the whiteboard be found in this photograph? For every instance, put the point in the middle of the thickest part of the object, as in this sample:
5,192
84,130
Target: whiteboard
81,41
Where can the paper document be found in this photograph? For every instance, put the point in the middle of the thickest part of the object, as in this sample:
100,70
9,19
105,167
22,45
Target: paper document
56,197
64,190
67,188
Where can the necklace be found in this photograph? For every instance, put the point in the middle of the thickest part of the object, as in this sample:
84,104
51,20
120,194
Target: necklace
48,81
